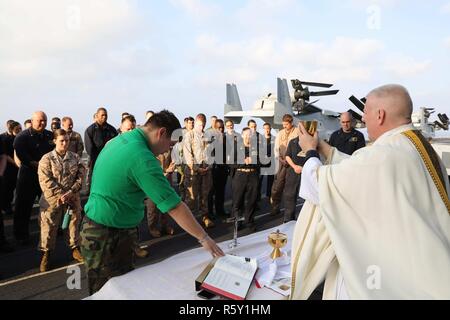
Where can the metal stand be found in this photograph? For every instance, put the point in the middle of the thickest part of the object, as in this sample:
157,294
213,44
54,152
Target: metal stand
234,243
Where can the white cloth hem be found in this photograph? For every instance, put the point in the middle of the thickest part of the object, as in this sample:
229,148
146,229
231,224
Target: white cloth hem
309,187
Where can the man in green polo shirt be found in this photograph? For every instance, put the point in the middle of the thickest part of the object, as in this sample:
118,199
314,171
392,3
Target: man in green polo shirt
125,173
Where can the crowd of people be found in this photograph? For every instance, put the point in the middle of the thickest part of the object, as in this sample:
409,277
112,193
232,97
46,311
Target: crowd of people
46,165
180,174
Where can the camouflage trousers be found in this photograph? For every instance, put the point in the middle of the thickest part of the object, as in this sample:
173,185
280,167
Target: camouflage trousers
89,173
107,252
154,216
197,190
51,219
180,179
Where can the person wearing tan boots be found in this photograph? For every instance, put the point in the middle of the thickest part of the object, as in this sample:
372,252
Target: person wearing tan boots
198,177
60,178
154,215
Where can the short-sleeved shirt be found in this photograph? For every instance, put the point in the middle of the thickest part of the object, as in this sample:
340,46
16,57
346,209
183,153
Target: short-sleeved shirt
282,141
248,152
268,142
125,173
293,151
347,142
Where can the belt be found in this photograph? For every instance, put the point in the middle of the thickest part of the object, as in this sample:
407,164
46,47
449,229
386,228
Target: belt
246,170
105,227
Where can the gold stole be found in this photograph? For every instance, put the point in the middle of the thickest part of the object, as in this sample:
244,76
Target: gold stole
431,160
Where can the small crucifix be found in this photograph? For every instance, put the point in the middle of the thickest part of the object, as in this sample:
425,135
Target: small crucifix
236,220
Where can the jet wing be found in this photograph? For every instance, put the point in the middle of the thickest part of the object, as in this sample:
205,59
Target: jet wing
310,109
250,113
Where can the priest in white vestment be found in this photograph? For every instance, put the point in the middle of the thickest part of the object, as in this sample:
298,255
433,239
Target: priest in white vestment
375,225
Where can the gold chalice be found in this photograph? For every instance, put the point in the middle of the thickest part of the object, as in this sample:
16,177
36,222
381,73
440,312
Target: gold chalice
311,126
277,240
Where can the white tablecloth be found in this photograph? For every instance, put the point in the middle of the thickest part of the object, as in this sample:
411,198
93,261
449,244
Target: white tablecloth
174,278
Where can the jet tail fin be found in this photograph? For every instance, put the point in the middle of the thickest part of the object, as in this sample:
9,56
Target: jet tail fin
233,103
284,104
283,93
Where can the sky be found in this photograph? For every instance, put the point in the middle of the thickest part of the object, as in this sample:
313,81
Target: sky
68,57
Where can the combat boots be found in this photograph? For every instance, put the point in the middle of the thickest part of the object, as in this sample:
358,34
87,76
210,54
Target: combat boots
275,208
208,222
155,232
169,230
139,252
76,254
45,261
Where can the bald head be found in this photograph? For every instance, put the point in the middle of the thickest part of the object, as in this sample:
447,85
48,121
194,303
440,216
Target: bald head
39,121
346,120
396,100
387,107
346,116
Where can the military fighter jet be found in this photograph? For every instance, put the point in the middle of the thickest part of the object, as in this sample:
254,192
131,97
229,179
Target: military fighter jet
271,108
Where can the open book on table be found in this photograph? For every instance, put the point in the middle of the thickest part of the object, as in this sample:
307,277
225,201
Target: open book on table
231,277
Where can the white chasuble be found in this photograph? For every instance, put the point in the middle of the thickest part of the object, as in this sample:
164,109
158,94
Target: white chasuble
381,226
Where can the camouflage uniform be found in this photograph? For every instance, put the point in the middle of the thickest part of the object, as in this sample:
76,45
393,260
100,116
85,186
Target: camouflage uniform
76,143
107,252
153,214
281,143
180,167
196,147
57,176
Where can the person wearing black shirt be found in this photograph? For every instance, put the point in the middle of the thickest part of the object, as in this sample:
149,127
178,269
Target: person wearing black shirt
10,176
347,139
268,142
232,139
95,138
220,170
4,246
293,176
27,124
30,145
256,136
56,124
246,179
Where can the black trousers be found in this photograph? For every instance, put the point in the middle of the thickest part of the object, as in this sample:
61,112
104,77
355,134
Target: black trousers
9,185
292,186
216,196
26,192
245,187
269,179
90,172
2,228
